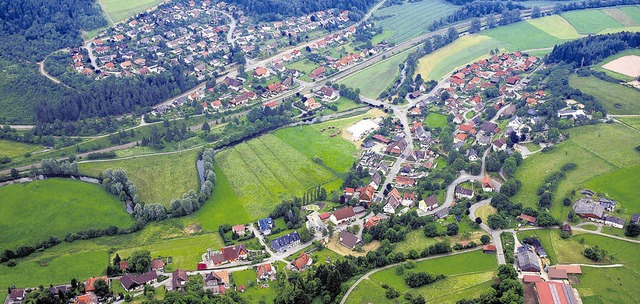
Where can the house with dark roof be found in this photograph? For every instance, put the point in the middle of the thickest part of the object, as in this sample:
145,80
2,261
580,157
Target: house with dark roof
557,274
179,279
527,259
428,203
499,144
135,281
489,127
157,265
376,180
282,243
349,240
635,218
462,192
344,215
16,296
265,225
217,282
613,221
585,208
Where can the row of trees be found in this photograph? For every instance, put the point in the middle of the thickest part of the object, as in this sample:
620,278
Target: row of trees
551,183
271,10
509,12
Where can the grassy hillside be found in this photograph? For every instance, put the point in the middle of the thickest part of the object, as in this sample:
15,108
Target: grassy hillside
401,19
64,205
13,149
159,178
523,36
616,98
590,21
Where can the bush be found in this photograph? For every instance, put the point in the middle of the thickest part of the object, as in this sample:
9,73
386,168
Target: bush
485,239
11,263
564,235
391,293
595,253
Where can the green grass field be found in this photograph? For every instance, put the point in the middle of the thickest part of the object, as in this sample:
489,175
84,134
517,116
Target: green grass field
265,170
305,66
64,205
590,21
556,26
484,212
586,148
468,275
435,120
619,185
13,149
616,98
620,16
123,9
523,36
633,12
402,18
375,79
159,178
633,122
223,198
254,294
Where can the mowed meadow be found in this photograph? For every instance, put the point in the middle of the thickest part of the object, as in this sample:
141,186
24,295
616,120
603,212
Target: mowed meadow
537,36
123,9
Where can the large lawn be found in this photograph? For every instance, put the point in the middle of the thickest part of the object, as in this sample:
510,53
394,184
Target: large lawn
159,178
254,294
435,120
223,207
265,170
54,207
556,26
12,149
123,9
401,19
616,98
590,21
619,185
465,49
468,275
585,147
375,79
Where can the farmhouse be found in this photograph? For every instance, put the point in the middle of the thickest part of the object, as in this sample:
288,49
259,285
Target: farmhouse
527,259
282,243
342,216
179,279
233,253
157,265
16,296
585,208
613,221
135,281
217,282
88,285
349,240
555,292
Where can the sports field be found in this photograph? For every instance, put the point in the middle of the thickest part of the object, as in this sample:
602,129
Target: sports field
590,21
401,19
375,79
264,171
590,147
123,9
159,178
468,275
616,98
34,211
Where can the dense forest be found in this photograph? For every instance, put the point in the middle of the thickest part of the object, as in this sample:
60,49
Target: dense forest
592,49
270,10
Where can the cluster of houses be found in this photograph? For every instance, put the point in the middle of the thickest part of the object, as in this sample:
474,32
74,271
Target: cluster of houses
228,254
594,210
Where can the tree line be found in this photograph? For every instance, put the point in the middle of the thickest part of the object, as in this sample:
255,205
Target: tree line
509,12
272,10
592,49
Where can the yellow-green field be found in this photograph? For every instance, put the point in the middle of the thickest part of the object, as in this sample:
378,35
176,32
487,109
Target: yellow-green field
556,26
123,9
13,149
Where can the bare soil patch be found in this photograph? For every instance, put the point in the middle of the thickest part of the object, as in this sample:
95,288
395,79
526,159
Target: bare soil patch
627,65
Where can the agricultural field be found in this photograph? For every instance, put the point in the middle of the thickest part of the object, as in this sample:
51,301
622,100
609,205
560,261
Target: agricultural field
435,120
123,9
465,49
468,275
556,26
633,122
12,149
592,155
159,178
265,170
590,21
223,198
622,190
62,204
316,141
616,98
599,67
523,36
375,79
400,19
619,16
633,12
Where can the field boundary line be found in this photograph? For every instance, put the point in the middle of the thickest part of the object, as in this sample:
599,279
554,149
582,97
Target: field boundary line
610,163
141,155
618,285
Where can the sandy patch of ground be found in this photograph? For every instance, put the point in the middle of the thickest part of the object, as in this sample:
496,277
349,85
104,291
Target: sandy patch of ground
635,84
193,228
627,65
334,245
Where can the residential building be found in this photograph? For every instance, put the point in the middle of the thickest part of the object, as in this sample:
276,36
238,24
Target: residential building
179,279
302,262
282,243
613,221
555,293
349,240
527,259
487,184
266,272
217,282
88,285
136,281
428,203
344,215
239,229
462,192
157,265
16,296
265,225
585,208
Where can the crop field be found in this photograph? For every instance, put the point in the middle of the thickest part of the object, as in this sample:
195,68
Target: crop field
522,36
468,275
335,152
599,66
633,12
556,26
265,170
159,178
13,149
466,49
375,79
435,120
616,98
62,204
401,18
619,16
592,155
123,9
633,122
590,21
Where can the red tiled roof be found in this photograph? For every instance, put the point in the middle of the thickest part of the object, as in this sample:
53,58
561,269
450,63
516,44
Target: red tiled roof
344,213
528,278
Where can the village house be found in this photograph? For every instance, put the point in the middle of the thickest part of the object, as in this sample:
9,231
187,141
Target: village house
462,192
613,221
265,225
376,180
281,244
366,195
88,285
429,203
349,240
527,259
341,216
528,219
217,282
179,279
487,184
303,262
585,208
239,230
136,281
327,93
16,296
157,265
266,272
